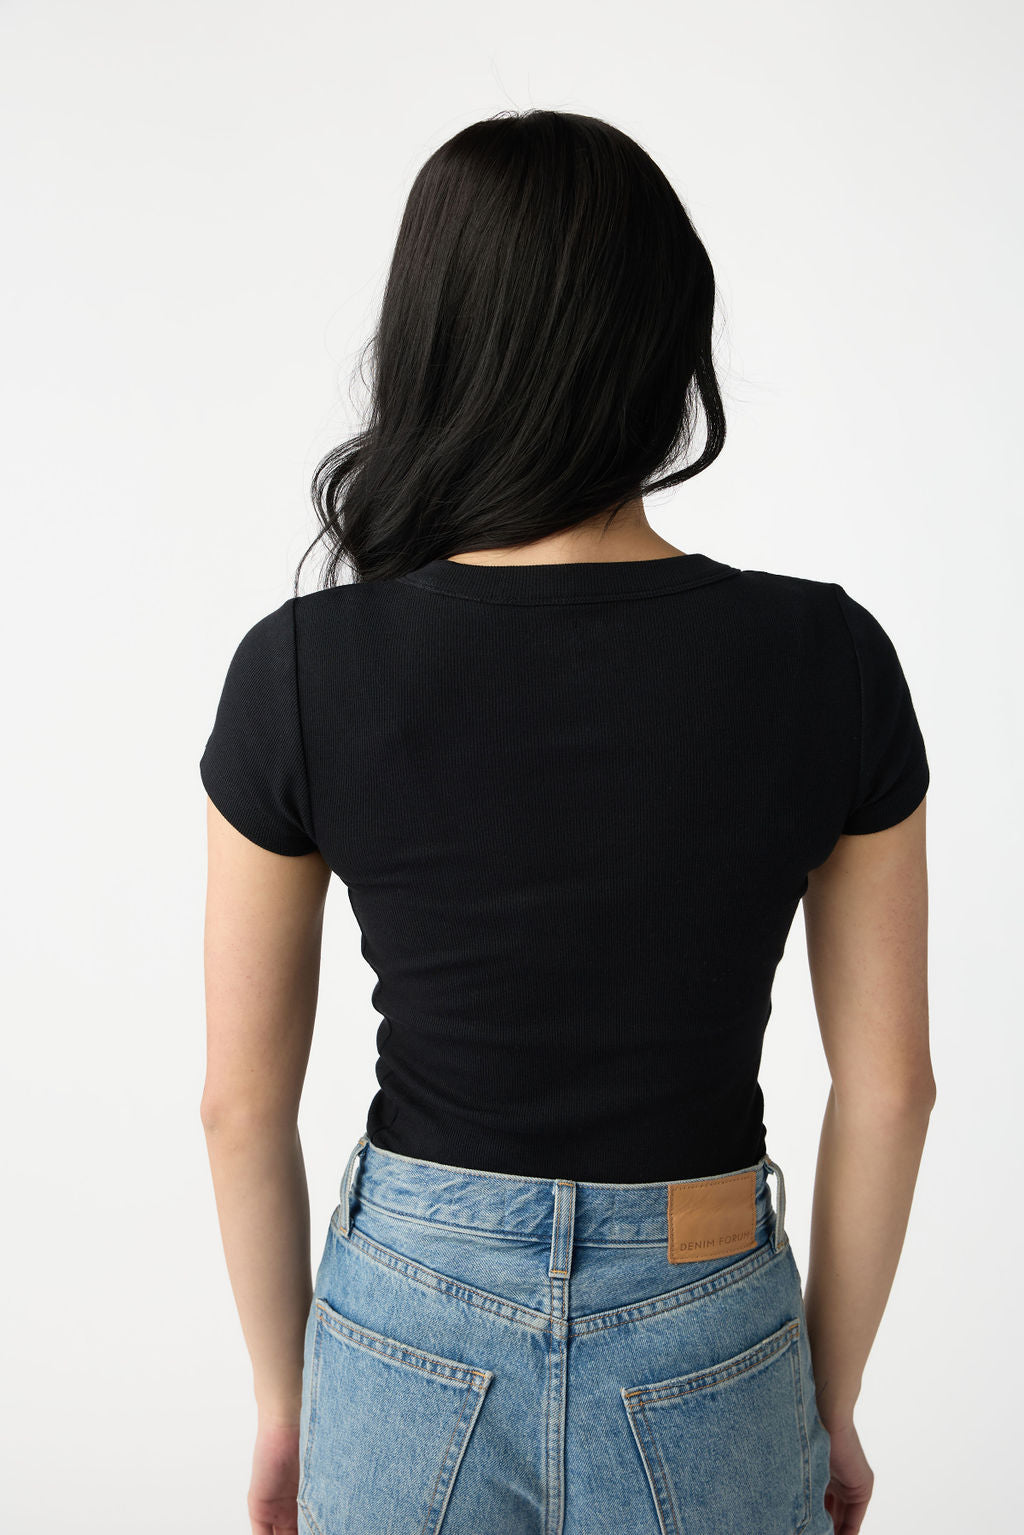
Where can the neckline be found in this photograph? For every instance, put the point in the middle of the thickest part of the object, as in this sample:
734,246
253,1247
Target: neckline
569,580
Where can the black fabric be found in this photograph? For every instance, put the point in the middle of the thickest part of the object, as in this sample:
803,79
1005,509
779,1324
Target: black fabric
575,807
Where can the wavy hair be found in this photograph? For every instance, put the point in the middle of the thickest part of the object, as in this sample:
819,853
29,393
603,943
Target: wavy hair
544,336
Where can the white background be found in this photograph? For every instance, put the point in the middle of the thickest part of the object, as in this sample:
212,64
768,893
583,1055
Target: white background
200,204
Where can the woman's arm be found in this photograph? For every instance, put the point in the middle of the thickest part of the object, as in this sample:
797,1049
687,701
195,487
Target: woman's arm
866,921
264,919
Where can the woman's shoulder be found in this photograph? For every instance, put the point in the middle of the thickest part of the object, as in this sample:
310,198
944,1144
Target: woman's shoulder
822,598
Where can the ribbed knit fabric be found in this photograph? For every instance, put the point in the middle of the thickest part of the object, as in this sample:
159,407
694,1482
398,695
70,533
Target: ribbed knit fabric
575,807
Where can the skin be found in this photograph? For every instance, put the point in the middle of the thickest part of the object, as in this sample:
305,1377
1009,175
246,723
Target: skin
865,918
264,917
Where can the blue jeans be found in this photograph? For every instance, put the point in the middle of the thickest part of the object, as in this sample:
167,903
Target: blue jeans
493,1355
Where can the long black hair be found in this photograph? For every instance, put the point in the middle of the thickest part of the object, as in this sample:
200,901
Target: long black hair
545,332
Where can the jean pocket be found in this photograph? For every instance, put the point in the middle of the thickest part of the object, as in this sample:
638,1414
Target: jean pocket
387,1430
725,1448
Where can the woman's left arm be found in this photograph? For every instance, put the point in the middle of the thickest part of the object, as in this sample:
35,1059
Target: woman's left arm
263,927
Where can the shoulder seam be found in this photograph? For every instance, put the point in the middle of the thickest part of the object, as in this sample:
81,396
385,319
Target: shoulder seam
292,601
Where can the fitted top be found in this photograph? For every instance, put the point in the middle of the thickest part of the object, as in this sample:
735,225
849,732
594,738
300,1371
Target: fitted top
575,807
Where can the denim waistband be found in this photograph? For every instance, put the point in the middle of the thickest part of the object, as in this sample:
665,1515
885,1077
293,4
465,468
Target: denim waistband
510,1205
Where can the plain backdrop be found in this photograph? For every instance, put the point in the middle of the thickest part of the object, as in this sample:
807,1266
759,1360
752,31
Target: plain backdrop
200,203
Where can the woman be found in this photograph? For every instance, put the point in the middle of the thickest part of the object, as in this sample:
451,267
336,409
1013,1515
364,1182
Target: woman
576,781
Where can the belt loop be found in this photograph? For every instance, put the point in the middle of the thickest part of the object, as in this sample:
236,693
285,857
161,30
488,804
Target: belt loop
347,1183
560,1260
780,1210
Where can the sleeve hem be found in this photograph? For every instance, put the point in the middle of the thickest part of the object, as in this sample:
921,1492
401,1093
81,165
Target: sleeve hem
250,826
892,809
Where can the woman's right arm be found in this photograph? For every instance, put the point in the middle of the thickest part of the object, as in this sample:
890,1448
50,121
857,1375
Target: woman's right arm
866,923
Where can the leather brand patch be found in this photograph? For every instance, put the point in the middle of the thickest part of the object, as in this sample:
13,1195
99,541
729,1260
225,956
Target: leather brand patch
712,1217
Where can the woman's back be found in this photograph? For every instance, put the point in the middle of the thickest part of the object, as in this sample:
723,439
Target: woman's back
575,806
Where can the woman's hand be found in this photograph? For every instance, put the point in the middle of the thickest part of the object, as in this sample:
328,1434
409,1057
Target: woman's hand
274,1486
851,1480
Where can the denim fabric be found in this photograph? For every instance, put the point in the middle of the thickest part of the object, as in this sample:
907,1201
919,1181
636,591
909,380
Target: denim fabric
493,1355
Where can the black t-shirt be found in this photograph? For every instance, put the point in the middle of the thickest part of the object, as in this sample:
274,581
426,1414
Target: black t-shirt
575,807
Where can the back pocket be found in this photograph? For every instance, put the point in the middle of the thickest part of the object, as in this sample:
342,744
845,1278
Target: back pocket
388,1427
725,1449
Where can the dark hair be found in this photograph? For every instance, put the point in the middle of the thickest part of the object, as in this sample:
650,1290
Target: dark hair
545,327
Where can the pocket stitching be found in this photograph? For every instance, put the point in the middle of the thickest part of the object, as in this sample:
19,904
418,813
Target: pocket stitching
434,1365
729,1369
314,1402
637,1398
460,1436
801,1425
664,1502
472,1382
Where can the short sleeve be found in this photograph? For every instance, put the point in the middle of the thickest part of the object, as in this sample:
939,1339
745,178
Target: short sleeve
893,764
253,767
